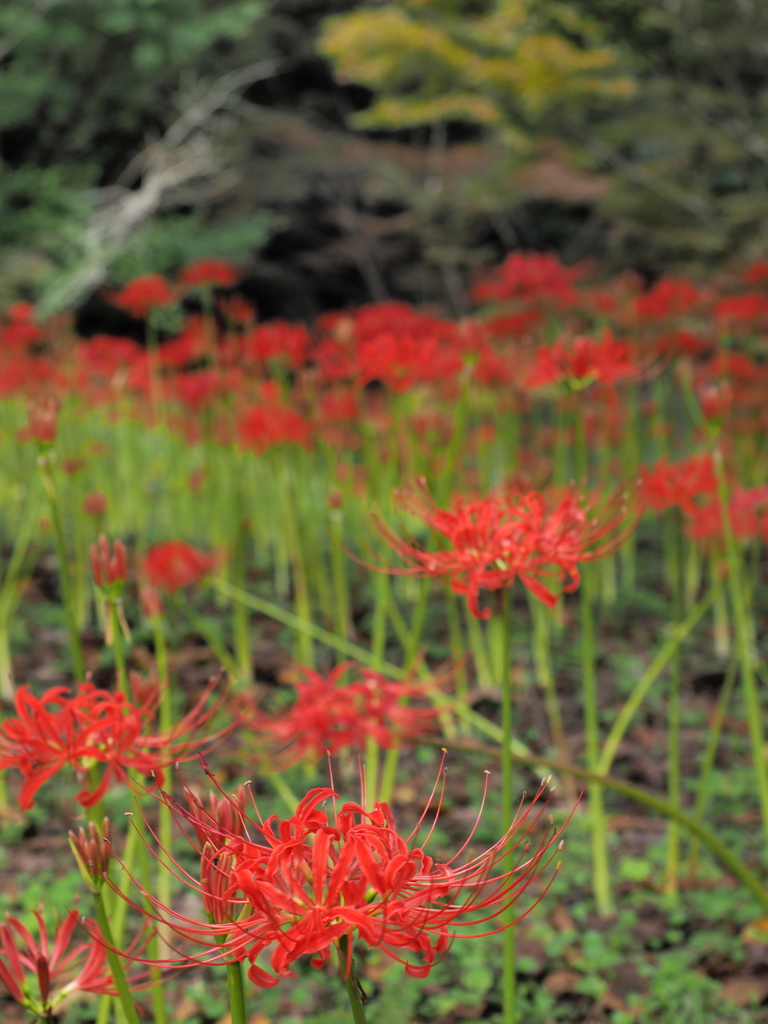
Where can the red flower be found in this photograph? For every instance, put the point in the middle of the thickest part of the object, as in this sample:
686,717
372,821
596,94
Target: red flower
530,276
330,714
109,570
91,726
42,421
210,272
757,273
175,564
315,881
263,427
510,535
669,297
20,331
140,296
95,504
678,483
78,968
581,362
277,340
747,510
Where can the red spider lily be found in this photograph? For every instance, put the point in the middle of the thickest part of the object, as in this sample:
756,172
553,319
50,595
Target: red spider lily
143,294
581,362
90,726
315,881
42,421
20,331
530,276
76,968
109,570
509,535
263,427
747,510
277,340
95,504
757,273
741,309
215,272
175,564
678,483
669,297
330,714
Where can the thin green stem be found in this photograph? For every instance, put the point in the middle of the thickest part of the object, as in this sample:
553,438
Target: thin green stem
743,644
730,861
78,664
339,572
284,791
417,622
347,971
662,658
499,637
208,633
674,568
704,783
115,966
601,877
117,647
545,677
236,993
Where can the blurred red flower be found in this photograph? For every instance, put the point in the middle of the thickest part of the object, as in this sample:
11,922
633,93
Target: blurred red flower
265,426
341,709
581,362
210,272
175,564
530,276
143,294
681,483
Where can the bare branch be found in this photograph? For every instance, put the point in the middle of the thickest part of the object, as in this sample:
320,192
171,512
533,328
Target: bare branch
183,167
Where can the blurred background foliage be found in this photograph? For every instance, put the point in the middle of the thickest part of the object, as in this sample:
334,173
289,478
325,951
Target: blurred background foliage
346,152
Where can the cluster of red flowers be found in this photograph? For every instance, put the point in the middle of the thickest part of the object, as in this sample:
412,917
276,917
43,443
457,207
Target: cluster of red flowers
510,535
332,712
279,383
87,727
303,885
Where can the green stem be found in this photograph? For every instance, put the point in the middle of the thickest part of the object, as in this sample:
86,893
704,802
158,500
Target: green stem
200,625
499,637
674,540
417,622
116,967
719,849
479,650
78,664
120,913
236,993
284,791
743,645
119,650
351,982
240,618
545,676
339,572
457,646
601,877
703,785
649,677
